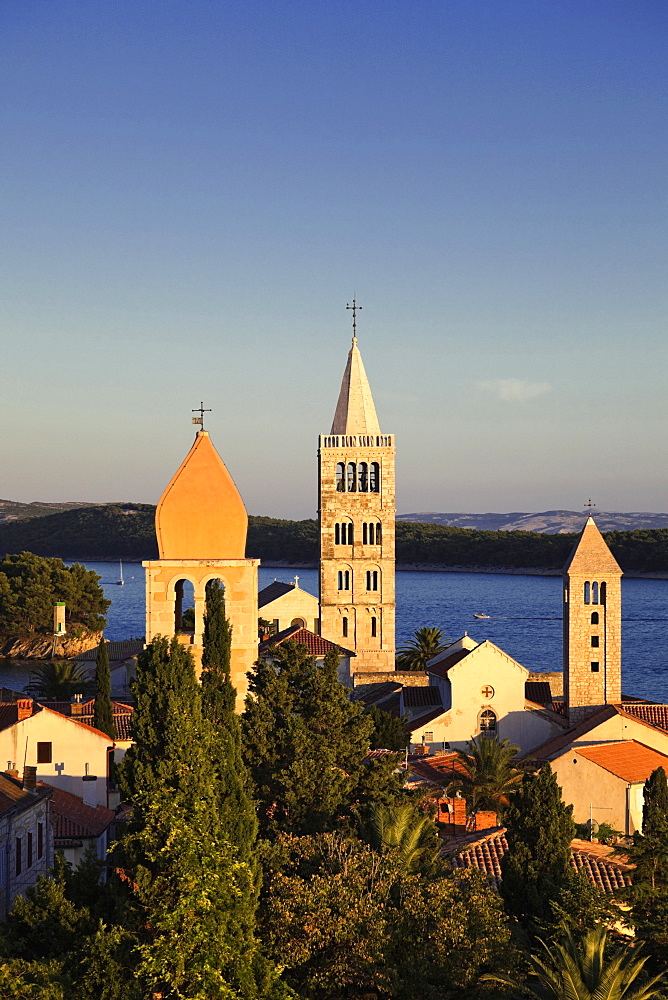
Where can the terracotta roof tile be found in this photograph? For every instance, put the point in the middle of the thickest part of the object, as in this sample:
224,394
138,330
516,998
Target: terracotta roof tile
655,715
73,818
627,759
423,720
607,872
538,691
13,796
441,668
316,644
378,692
440,770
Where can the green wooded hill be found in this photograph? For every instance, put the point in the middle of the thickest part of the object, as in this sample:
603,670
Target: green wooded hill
126,531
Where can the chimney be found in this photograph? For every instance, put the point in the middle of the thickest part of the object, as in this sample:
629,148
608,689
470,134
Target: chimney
23,709
76,708
12,771
30,778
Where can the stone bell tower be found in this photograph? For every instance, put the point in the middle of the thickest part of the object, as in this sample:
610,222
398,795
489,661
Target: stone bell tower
592,625
357,516
201,525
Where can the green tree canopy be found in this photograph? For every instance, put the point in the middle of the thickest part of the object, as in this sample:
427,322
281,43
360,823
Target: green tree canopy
305,744
30,586
389,731
58,680
649,852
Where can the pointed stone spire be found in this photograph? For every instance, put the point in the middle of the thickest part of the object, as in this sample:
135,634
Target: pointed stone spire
355,411
591,553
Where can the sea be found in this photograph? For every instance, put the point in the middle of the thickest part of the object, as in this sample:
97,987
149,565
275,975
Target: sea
524,616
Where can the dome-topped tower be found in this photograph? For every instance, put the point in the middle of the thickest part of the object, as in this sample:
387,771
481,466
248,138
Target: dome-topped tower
201,514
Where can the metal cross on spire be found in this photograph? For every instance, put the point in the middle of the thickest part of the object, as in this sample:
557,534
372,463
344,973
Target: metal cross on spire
355,308
589,505
200,420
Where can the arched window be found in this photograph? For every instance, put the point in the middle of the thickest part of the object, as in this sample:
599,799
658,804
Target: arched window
343,579
350,532
374,478
344,627
378,534
594,593
374,627
594,617
352,477
343,533
487,721
587,593
298,621
372,534
337,534
603,592
363,477
340,478
184,607
365,533
372,579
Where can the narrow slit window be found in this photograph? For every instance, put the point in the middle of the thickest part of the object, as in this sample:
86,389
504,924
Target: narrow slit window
594,593
372,534
40,840
603,593
350,534
363,477
587,593
29,851
365,533
337,534
378,534
595,641
344,627
594,617
374,627
352,477
340,478
374,478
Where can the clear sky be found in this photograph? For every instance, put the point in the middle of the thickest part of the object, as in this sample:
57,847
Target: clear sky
191,191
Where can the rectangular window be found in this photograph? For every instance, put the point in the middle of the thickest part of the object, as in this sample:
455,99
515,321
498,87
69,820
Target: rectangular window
44,753
428,738
374,627
594,667
18,857
40,840
29,852
337,534
595,641
365,533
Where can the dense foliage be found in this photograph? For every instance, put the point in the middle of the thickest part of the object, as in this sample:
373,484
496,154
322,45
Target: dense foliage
103,716
127,531
30,586
649,853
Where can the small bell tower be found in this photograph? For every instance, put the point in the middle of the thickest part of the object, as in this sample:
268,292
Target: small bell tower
592,625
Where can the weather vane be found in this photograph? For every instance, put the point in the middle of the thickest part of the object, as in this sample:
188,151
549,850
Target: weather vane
200,420
355,308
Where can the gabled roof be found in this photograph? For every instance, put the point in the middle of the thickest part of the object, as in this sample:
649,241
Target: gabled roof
122,714
538,692
316,644
420,697
591,554
629,760
609,873
73,818
442,663
378,692
273,591
425,719
556,744
440,667
655,715
124,650
439,770
15,798
11,715
355,411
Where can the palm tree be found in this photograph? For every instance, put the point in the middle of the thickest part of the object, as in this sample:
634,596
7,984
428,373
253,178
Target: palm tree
489,776
58,681
408,832
572,970
424,646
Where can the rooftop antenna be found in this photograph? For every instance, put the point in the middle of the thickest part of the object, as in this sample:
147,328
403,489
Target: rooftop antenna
200,420
355,308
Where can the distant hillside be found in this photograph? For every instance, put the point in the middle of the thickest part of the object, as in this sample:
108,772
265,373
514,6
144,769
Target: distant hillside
126,531
551,522
12,510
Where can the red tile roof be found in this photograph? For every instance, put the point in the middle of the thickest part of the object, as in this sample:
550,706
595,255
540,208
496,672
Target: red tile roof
486,852
629,760
122,715
13,796
441,668
418,697
552,748
73,818
423,720
316,644
538,691
655,715
440,770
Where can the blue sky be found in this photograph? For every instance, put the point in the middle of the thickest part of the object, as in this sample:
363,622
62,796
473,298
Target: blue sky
192,191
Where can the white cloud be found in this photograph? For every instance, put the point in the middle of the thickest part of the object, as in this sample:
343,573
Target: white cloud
514,390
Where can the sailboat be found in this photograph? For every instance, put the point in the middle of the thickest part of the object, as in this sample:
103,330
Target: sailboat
120,580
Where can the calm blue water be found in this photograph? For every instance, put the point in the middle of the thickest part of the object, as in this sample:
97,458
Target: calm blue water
525,615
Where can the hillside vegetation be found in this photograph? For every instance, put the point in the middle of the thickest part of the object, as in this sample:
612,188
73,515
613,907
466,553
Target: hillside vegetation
126,531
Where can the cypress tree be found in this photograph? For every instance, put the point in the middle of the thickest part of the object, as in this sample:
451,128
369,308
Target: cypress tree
193,899
236,808
649,852
536,869
103,712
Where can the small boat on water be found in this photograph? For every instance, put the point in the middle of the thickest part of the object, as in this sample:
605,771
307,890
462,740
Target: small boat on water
481,616
120,582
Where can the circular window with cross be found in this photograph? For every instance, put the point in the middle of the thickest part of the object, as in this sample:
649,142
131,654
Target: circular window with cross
487,691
